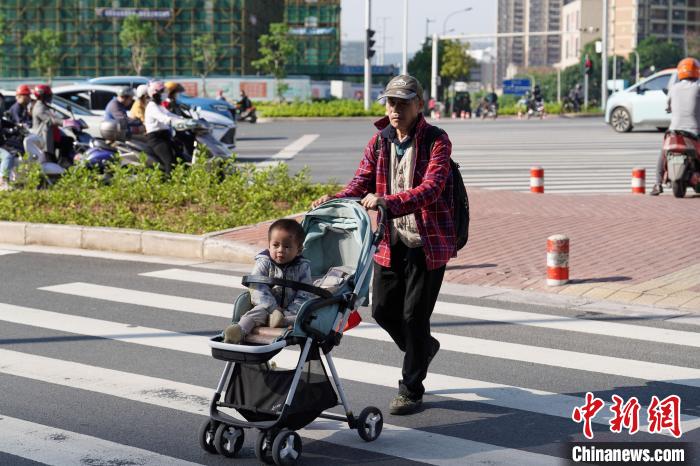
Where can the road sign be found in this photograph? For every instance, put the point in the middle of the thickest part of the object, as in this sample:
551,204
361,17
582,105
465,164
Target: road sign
516,86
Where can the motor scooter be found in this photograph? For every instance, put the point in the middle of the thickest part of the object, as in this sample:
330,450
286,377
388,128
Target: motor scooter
682,151
246,114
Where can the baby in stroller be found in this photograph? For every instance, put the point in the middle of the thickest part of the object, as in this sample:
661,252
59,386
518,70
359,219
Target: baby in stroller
275,306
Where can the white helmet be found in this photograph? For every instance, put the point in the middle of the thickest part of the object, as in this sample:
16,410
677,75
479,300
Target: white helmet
141,91
155,88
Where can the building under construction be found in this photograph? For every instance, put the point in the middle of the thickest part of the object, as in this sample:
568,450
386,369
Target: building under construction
315,28
90,44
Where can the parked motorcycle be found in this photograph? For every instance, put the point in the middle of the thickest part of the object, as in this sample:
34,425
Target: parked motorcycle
682,150
114,146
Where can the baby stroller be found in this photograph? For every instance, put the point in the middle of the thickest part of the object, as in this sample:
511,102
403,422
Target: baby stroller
340,245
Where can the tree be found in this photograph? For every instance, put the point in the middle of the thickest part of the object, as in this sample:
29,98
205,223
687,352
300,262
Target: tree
276,48
692,41
206,52
658,53
456,61
46,53
137,36
4,32
420,65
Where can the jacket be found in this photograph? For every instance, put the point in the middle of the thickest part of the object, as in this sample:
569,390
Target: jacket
44,122
430,199
270,298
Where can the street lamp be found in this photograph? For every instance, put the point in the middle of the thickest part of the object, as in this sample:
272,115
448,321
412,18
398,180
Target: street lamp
444,23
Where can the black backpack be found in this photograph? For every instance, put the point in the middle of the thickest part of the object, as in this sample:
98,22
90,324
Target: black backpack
460,200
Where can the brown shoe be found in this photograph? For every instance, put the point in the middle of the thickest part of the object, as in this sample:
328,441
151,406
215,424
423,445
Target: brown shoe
233,334
656,190
277,319
402,405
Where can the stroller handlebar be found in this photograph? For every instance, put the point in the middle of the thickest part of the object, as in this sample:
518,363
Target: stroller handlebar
379,234
261,279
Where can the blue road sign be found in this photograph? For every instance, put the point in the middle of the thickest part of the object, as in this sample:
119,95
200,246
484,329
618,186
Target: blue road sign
516,86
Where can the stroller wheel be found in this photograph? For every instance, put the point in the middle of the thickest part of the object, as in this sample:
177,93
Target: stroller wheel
263,447
206,436
228,440
369,424
286,449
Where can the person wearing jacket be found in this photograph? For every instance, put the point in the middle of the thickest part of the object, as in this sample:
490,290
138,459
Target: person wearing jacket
19,112
45,124
411,179
117,110
138,109
158,126
276,305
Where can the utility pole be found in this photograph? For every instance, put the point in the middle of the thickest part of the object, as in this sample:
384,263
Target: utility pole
368,65
427,23
434,69
604,58
404,62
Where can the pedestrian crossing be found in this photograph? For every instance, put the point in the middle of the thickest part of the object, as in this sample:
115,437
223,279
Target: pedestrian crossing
502,388
496,158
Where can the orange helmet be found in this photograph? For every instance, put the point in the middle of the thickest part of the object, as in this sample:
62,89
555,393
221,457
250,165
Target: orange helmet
688,68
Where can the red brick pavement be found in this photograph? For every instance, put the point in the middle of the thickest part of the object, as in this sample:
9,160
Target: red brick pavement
623,239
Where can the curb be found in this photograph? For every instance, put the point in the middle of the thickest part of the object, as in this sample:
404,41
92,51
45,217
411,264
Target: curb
149,243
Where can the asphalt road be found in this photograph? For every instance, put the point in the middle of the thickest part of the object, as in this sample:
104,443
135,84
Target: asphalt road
100,364
579,155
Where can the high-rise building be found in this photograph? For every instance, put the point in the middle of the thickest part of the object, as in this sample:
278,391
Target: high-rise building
522,16
90,43
631,21
315,28
581,23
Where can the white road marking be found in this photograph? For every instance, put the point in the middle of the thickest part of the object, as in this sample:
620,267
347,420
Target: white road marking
457,388
5,252
468,311
467,345
410,444
290,151
53,446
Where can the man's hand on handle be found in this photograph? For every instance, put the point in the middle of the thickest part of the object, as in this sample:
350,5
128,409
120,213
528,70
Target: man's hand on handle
370,202
320,200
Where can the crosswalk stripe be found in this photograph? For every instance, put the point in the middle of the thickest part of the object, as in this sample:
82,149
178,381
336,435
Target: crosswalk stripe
469,311
468,345
53,446
411,444
5,252
507,396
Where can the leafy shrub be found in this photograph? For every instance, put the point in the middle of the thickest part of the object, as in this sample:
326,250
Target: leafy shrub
331,108
194,199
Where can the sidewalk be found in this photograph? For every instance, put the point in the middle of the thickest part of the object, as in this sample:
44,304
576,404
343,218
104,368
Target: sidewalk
626,248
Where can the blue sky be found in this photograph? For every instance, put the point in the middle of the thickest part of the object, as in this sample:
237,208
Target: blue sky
481,19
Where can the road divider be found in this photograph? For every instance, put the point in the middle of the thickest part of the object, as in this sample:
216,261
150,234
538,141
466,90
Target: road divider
537,180
638,180
557,260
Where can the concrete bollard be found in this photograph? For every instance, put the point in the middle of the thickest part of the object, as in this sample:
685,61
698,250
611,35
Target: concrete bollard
537,180
638,180
557,260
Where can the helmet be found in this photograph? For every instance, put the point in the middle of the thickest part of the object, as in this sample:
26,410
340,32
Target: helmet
112,131
23,89
172,86
155,87
125,92
141,91
42,91
688,68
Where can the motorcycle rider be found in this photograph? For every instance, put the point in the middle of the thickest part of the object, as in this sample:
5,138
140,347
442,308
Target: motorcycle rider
138,109
158,122
45,124
19,112
173,89
576,97
684,104
117,109
245,106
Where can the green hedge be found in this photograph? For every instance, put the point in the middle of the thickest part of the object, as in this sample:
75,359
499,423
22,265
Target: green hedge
195,200
331,108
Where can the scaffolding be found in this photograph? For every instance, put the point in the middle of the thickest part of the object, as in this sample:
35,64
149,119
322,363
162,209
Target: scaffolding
90,34
315,27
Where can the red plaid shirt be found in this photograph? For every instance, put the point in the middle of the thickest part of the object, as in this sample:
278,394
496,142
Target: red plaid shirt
430,199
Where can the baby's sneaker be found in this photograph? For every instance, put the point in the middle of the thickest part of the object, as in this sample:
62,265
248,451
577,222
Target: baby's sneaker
233,334
277,319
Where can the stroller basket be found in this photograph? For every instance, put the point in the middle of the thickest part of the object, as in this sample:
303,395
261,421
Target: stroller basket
244,353
258,392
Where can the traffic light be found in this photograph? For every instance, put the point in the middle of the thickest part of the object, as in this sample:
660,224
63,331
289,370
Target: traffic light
369,52
588,65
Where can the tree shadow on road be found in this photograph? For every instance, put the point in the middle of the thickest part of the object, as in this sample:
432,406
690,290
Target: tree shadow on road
470,266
